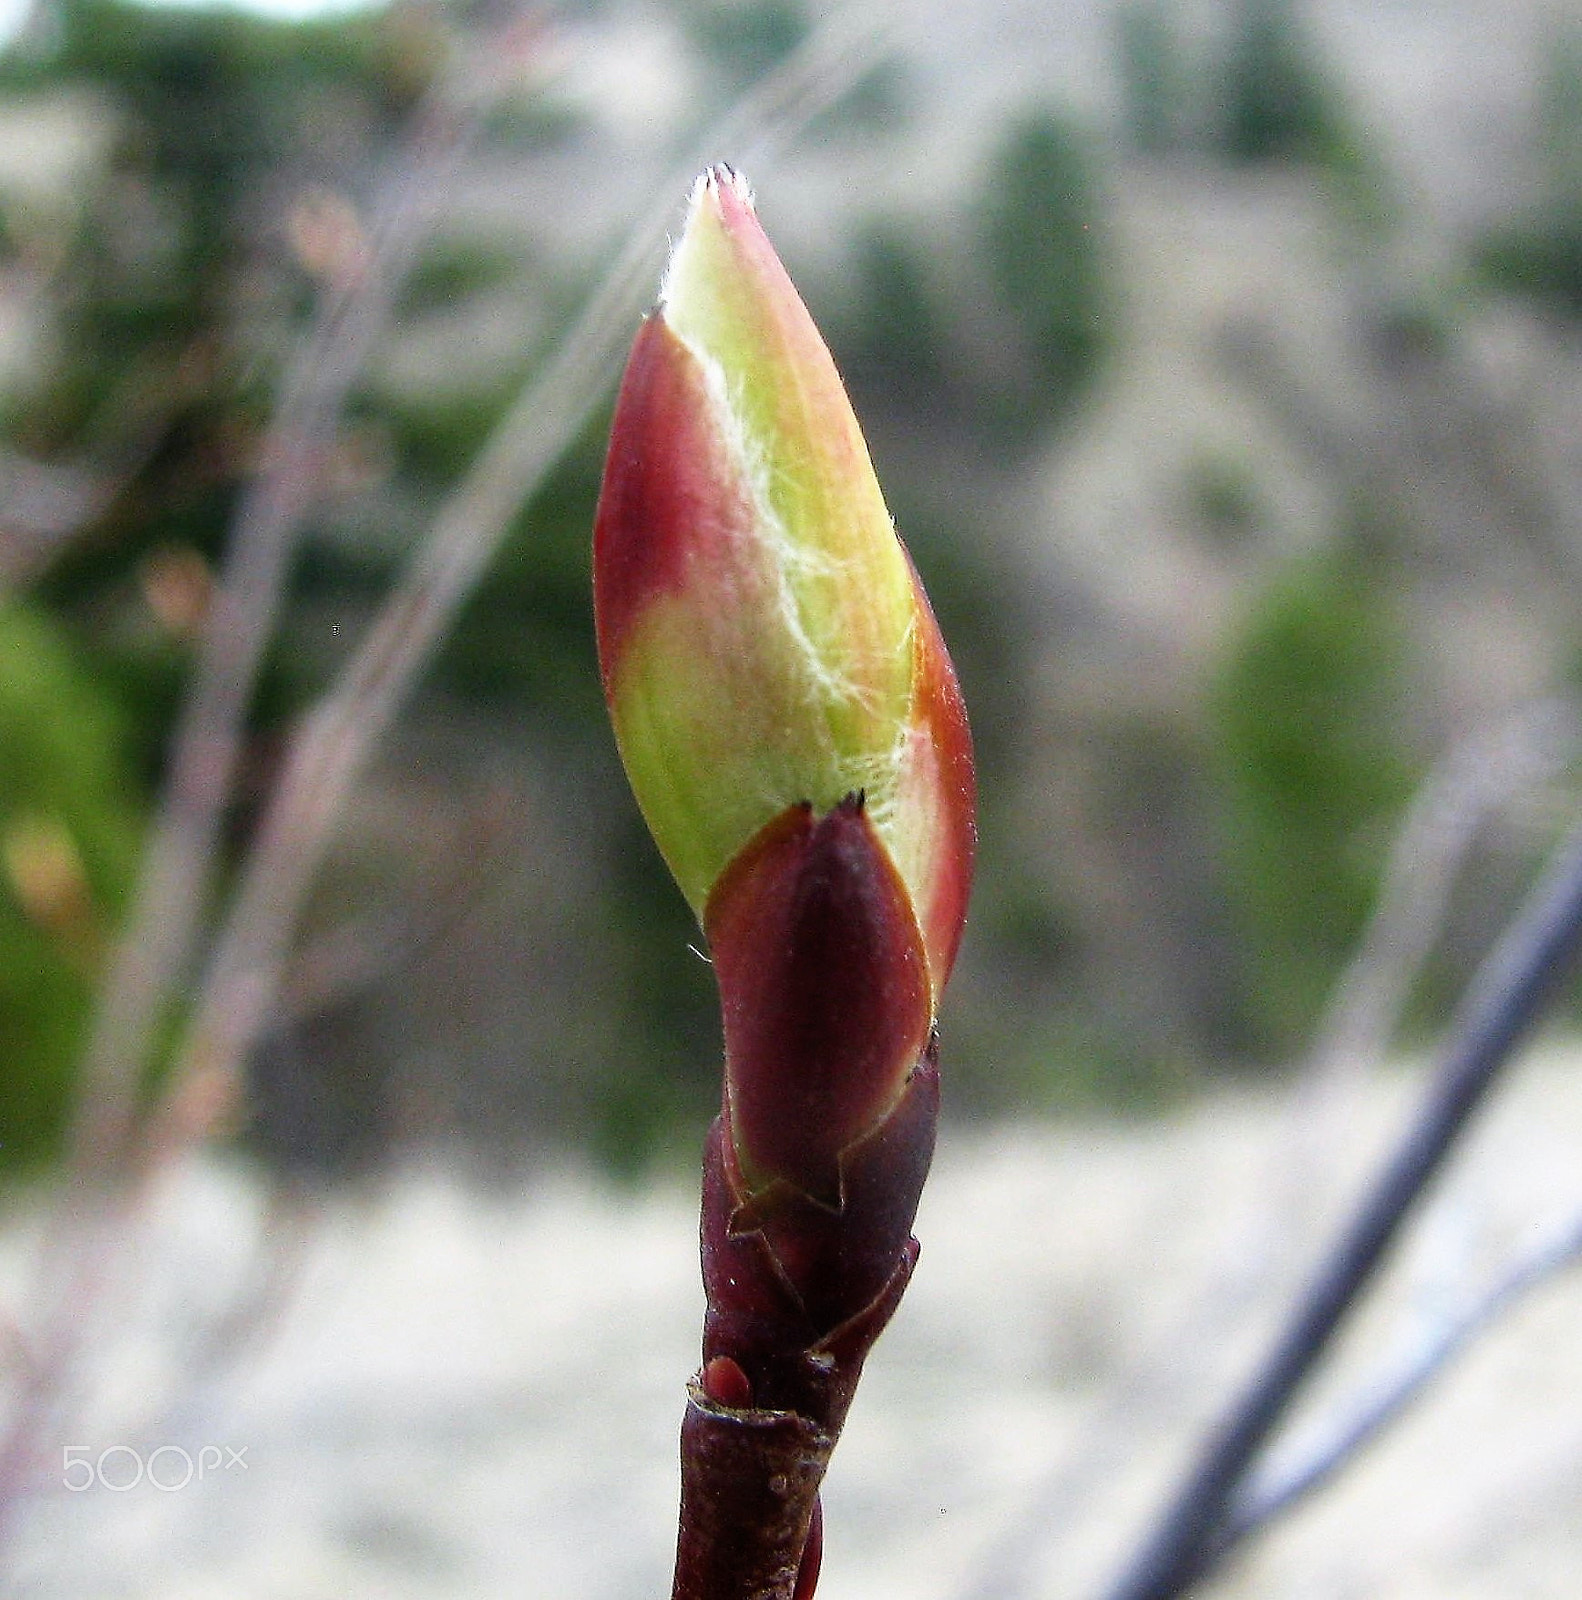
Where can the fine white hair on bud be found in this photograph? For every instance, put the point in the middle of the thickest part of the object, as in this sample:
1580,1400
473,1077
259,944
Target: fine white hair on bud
762,635
723,175
719,176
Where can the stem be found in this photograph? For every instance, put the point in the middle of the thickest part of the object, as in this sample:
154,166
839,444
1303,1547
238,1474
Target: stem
749,1482
1360,1423
1504,999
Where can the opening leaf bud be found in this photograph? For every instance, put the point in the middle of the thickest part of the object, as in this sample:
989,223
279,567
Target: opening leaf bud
763,637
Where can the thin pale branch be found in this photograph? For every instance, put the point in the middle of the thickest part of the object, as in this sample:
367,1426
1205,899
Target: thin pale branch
47,503
178,868
1501,1005
1480,776
1483,775
78,1254
1361,1419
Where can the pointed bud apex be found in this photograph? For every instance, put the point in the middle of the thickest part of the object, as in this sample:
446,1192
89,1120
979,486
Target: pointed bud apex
763,637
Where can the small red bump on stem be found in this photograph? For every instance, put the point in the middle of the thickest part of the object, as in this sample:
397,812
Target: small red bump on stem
812,1554
726,1384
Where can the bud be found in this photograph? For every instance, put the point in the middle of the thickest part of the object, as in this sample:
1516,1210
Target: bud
793,731
763,638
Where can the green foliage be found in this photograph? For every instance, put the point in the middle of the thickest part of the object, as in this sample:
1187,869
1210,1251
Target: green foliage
890,328
1039,232
454,271
1540,255
1259,95
1276,104
69,815
1154,83
743,39
1280,105
1221,492
1304,720
1541,259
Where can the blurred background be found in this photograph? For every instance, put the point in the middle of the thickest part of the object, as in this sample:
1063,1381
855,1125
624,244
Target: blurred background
1221,366
1222,363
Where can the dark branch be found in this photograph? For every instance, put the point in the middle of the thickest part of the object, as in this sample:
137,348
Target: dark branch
1505,998
1363,1419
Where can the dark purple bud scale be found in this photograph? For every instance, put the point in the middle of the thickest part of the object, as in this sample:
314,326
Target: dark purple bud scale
825,992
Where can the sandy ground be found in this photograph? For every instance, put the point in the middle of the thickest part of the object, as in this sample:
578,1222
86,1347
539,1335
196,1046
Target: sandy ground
476,1396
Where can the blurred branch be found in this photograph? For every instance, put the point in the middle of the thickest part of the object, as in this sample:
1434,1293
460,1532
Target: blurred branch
1500,1006
366,950
178,869
46,504
336,739
1359,1421
156,946
1481,775
280,1257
